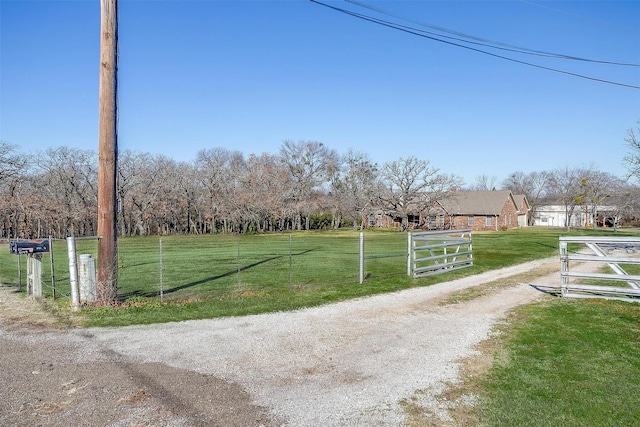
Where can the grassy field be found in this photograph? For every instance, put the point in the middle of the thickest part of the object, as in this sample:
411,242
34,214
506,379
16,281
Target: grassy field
191,277
565,363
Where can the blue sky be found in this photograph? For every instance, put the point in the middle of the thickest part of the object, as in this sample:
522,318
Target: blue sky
247,75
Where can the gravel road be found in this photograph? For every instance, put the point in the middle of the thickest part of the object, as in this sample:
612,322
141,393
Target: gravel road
345,364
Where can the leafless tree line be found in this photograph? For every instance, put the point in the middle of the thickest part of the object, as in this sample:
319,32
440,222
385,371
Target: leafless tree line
305,186
55,192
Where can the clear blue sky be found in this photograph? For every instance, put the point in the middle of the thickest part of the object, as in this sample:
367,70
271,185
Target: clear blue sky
247,75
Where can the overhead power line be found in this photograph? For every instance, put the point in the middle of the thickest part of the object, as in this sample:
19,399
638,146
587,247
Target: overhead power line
441,38
466,38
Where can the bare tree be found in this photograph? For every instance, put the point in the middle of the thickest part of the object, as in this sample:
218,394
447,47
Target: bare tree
534,186
190,191
565,185
12,163
130,166
484,183
169,215
216,169
142,183
410,186
598,188
261,191
310,164
13,178
354,186
68,179
632,159
626,200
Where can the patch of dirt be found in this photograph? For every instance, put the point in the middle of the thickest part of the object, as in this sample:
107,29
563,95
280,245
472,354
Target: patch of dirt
50,379
18,312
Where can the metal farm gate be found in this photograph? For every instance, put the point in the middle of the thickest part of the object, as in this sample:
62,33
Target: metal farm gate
611,252
437,252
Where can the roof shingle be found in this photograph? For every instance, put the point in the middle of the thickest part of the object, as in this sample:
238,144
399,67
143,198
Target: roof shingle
476,202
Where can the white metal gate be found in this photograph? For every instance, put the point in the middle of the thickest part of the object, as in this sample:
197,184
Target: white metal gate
437,252
611,252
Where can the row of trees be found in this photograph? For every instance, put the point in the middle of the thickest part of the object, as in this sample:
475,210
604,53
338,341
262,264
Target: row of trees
305,186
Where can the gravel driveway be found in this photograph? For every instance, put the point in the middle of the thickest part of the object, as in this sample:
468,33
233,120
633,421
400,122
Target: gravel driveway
343,364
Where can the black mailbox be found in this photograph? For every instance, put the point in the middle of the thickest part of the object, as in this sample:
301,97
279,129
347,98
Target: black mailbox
28,246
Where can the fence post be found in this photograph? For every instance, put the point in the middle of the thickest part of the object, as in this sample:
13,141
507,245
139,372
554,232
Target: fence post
53,278
361,257
73,273
409,243
239,269
34,275
564,268
87,279
20,274
161,286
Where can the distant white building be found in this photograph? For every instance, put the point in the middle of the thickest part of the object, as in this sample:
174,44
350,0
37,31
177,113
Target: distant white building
556,216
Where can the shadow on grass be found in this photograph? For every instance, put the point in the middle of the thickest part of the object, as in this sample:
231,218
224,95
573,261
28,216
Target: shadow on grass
140,293
545,245
549,290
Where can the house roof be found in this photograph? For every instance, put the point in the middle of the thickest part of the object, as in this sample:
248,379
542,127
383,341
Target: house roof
520,198
477,202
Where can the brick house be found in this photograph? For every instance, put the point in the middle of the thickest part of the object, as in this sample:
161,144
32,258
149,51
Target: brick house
483,210
477,210
523,209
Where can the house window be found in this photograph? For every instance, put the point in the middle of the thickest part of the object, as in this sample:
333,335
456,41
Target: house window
471,220
374,220
488,221
441,221
432,222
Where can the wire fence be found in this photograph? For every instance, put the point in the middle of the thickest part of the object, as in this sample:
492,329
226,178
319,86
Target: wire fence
183,268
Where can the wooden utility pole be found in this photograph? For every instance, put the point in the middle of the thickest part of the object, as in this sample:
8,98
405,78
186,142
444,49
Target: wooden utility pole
107,271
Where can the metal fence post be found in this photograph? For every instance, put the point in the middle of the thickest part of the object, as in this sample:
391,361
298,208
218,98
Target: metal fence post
409,253
19,273
239,278
564,268
53,278
73,273
361,258
161,285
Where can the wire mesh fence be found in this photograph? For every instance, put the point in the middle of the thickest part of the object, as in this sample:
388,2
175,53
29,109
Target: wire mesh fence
225,265
183,268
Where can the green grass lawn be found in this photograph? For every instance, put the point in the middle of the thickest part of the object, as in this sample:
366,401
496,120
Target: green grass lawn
566,363
191,277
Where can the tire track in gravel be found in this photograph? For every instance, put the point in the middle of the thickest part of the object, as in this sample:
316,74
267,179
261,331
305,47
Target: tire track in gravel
343,364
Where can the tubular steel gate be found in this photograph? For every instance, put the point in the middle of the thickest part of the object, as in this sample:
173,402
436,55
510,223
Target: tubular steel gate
608,251
437,252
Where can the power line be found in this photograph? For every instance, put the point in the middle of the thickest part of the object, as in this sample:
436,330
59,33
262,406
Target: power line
421,33
485,42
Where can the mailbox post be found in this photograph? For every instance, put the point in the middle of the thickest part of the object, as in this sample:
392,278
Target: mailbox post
34,250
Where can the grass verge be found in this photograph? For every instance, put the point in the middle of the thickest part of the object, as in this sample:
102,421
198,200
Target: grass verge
558,362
